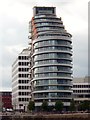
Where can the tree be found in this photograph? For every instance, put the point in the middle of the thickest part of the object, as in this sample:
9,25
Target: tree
31,106
59,105
72,106
1,105
85,105
44,106
80,106
51,108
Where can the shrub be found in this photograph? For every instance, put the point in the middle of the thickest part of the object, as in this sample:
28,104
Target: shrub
59,105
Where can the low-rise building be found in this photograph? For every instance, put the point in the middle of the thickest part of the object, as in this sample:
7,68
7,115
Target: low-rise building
6,100
81,89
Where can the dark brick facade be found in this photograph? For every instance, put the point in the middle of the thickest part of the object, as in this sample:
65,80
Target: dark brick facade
6,98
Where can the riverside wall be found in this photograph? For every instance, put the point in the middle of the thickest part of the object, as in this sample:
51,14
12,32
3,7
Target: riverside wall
48,117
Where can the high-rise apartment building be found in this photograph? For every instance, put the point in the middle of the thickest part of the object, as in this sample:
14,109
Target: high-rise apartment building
51,58
20,81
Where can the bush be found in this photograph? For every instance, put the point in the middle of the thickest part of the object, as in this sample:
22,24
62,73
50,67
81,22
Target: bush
31,106
59,106
72,106
44,106
85,105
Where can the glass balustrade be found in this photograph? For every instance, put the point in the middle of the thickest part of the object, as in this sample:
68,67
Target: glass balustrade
53,75
51,82
52,88
41,62
53,43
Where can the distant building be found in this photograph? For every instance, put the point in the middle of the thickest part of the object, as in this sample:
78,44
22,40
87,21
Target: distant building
6,100
81,89
20,81
51,58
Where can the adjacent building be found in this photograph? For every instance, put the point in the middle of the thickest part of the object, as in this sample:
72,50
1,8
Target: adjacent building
51,58
20,81
81,89
5,100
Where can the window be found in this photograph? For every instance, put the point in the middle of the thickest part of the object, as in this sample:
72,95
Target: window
19,63
19,57
19,99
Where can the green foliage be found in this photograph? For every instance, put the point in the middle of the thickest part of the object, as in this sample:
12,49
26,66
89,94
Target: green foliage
1,105
72,106
44,106
85,105
31,106
50,108
59,105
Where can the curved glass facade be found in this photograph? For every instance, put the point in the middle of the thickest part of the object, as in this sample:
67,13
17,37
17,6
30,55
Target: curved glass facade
51,59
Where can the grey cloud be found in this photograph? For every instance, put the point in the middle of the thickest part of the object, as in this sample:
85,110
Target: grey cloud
80,55
13,32
6,77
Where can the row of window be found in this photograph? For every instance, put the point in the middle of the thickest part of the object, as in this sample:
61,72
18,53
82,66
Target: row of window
23,57
49,23
81,86
51,94
5,93
47,18
23,63
52,68
52,48
23,75
52,75
52,25
7,99
47,10
48,34
52,55
52,62
47,82
81,96
23,99
81,91
50,28
23,81
52,42
52,88
53,100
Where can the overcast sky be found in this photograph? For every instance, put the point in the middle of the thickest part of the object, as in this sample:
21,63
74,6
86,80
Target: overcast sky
14,18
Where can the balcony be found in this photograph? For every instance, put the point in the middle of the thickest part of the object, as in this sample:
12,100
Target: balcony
52,91
52,51
52,37
49,25
48,20
54,97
